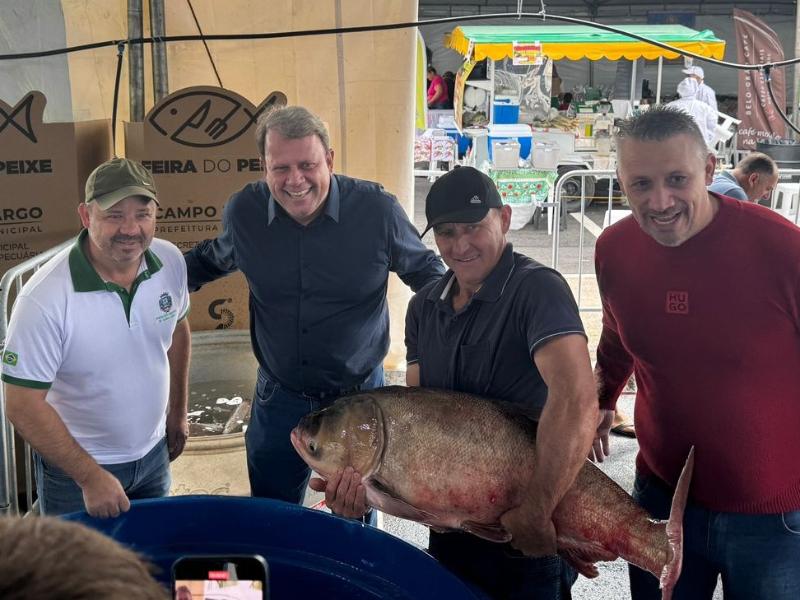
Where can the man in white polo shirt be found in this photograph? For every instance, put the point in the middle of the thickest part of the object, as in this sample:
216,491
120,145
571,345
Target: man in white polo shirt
96,361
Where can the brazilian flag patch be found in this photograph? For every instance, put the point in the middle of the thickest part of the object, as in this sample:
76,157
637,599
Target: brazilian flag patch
10,358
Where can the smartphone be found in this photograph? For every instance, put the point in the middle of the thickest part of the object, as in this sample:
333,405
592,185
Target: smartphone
228,577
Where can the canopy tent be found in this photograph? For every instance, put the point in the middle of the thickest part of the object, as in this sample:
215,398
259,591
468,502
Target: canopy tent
575,42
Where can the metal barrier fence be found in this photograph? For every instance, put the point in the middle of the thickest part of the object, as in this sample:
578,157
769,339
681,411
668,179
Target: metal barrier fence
560,212
9,492
785,200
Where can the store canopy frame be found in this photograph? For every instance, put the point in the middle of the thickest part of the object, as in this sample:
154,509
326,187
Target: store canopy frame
576,42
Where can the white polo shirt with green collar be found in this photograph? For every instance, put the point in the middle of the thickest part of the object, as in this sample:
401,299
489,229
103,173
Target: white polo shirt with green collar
100,351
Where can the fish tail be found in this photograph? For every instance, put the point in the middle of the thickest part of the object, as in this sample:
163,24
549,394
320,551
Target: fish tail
672,570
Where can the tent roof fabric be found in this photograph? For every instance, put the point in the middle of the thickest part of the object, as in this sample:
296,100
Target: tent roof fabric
576,42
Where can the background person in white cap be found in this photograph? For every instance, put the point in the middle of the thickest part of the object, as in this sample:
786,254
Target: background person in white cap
704,92
96,360
705,117
502,325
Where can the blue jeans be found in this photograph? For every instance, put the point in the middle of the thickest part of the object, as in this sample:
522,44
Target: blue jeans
500,571
275,468
147,477
758,556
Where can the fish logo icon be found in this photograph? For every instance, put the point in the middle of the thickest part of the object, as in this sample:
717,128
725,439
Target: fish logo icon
19,114
206,117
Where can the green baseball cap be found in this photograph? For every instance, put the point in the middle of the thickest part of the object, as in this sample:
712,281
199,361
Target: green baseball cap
118,179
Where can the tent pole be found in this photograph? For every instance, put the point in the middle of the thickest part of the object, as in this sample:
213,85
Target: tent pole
796,94
658,79
135,61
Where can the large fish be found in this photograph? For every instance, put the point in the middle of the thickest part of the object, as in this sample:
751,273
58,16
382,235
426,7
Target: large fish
454,461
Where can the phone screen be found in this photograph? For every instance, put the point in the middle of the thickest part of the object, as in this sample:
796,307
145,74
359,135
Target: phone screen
220,578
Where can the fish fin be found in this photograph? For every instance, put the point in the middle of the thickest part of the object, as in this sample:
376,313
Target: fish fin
672,570
380,495
583,555
578,562
487,531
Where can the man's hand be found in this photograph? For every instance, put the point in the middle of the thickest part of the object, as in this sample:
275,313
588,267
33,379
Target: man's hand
531,536
600,448
177,432
103,495
345,495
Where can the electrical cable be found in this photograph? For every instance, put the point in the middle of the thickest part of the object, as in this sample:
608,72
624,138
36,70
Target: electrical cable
391,26
768,80
200,31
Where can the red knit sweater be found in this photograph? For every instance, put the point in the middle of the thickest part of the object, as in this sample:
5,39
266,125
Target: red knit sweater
711,329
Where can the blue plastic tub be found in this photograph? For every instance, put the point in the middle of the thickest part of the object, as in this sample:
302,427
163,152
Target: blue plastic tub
463,141
310,554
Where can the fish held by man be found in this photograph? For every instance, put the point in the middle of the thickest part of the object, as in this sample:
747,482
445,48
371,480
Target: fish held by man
455,461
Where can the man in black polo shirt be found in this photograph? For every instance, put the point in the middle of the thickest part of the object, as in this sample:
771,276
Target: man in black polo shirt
503,326
317,249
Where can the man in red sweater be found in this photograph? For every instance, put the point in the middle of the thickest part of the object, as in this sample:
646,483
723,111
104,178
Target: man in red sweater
701,301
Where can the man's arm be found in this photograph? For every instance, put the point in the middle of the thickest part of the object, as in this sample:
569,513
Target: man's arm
412,375
178,356
211,259
41,426
410,259
564,435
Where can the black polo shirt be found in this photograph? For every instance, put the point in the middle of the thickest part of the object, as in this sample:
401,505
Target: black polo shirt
486,347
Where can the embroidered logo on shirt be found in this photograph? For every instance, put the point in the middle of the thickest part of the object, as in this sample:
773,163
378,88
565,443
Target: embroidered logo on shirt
475,200
677,303
10,358
165,302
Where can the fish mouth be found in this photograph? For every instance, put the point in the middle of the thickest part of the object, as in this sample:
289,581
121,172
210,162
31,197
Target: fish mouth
295,438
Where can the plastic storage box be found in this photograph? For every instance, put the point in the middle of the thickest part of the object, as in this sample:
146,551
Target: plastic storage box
505,154
519,132
544,155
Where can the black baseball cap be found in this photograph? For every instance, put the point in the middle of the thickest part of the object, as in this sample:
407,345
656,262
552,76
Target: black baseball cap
464,195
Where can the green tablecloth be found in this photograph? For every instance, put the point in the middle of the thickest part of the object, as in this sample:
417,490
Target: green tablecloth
524,186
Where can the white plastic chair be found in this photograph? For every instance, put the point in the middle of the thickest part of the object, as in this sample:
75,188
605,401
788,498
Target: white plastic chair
787,198
725,138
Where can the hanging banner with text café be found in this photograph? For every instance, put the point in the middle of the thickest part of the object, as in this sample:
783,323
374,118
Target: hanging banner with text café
756,43
199,144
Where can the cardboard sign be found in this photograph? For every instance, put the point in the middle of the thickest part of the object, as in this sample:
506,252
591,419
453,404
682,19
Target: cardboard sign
199,144
43,169
526,53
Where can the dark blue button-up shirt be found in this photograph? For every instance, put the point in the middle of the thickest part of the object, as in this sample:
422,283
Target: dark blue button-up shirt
319,319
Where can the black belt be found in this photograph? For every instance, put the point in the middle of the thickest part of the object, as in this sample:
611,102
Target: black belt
330,394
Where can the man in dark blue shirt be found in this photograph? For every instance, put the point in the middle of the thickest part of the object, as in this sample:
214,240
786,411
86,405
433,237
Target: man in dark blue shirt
316,249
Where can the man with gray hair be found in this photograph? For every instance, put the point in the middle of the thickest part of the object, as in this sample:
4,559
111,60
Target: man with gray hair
753,179
316,249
